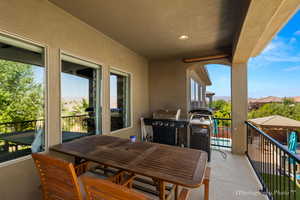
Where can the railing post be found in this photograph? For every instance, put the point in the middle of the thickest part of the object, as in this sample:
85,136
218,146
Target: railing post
239,110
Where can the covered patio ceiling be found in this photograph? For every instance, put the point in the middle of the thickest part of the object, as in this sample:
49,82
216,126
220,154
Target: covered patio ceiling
152,28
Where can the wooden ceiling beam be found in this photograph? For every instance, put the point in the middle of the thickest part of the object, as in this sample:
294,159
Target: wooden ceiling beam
205,58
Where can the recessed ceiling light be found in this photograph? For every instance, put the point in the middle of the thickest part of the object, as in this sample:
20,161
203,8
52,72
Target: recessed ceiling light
183,37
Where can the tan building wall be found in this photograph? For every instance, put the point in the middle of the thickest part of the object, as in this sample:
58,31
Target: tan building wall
169,82
44,23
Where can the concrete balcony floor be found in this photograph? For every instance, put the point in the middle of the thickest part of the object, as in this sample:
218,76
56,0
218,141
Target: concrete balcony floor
232,178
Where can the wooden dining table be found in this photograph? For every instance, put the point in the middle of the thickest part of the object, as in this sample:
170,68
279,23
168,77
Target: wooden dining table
167,164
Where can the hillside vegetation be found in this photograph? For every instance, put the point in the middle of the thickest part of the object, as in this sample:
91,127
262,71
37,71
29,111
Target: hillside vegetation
287,109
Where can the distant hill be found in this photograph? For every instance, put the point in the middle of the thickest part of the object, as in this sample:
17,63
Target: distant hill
273,99
267,99
70,102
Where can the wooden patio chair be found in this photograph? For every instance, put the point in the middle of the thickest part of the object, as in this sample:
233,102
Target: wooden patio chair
205,182
145,185
60,181
98,189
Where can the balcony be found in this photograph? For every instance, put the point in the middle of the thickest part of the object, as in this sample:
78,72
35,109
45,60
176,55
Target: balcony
233,176
153,48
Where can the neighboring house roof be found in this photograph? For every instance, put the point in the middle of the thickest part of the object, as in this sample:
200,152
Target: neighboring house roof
297,99
276,121
208,93
207,77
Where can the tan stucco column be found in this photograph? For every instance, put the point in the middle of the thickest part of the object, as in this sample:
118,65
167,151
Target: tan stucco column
239,110
54,130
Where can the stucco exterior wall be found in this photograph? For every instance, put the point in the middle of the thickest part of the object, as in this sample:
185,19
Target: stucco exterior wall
169,82
48,25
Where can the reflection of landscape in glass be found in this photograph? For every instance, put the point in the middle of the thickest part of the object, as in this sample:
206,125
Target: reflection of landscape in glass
74,93
21,92
119,101
21,106
113,92
79,103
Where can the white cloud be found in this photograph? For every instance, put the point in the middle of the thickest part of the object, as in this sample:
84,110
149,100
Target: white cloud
280,50
292,40
275,44
297,33
284,58
290,69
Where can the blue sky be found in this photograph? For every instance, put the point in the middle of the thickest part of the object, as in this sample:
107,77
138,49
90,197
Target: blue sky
73,87
275,72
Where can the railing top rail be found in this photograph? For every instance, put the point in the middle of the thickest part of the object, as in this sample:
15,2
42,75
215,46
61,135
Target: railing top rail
36,120
280,146
69,116
221,118
27,121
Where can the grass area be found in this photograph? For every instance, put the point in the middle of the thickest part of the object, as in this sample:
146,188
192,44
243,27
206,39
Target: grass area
279,191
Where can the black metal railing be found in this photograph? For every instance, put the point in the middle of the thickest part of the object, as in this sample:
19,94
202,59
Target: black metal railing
76,123
221,135
276,167
16,137
10,127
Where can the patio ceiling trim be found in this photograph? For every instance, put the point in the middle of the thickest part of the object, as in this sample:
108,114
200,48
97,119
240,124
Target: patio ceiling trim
262,21
206,58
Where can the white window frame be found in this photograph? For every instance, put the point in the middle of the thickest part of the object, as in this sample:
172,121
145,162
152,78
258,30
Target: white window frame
194,90
123,73
26,43
71,57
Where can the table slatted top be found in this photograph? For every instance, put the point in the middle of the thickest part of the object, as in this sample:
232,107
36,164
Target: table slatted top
172,164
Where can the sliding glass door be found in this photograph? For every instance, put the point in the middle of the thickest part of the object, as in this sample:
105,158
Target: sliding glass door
80,98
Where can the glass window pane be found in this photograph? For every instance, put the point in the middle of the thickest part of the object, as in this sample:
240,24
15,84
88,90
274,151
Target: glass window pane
192,90
22,88
80,93
119,101
196,91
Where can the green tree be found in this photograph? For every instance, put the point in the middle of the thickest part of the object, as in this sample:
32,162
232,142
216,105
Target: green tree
288,101
224,112
21,98
219,104
222,109
80,108
286,109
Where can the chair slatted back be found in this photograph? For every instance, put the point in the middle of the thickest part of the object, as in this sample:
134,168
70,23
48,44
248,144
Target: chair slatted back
58,178
98,189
